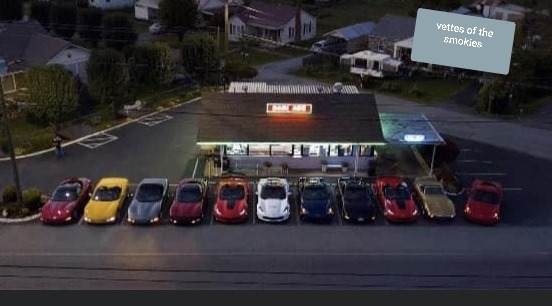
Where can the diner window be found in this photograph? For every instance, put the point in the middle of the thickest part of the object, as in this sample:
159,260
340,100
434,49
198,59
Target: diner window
346,150
236,149
259,150
334,150
281,150
297,150
365,150
315,150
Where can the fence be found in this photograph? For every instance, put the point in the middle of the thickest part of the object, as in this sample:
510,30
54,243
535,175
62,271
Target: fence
13,82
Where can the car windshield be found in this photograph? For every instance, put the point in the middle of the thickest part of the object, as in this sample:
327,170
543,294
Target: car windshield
273,192
485,196
399,193
150,192
228,192
107,194
315,193
190,193
66,193
432,190
353,193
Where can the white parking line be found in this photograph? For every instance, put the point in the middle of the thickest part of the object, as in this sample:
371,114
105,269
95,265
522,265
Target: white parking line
97,140
475,161
482,173
195,167
154,119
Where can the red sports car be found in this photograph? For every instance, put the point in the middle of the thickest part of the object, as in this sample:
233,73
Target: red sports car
483,205
189,202
396,199
231,204
67,202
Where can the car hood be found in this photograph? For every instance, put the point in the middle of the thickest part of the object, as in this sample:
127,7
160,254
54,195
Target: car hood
230,208
184,210
359,208
482,209
438,205
144,210
401,207
316,206
56,209
273,206
101,210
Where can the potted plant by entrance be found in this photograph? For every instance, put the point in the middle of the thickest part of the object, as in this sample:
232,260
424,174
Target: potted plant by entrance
324,165
344,167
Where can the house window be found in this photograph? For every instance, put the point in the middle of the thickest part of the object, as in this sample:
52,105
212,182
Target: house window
242,29
310,26
289,32
231,29
380,45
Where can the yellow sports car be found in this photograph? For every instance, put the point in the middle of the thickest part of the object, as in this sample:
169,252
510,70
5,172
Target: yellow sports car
435,204
106,202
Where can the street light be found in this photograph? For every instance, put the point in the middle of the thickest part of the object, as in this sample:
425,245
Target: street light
9,136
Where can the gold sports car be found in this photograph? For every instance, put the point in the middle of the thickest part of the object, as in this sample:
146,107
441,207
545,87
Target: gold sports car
106,201
435,204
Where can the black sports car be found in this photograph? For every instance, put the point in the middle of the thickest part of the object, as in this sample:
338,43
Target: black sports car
354,196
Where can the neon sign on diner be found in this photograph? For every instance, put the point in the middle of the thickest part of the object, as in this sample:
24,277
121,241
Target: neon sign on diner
289,108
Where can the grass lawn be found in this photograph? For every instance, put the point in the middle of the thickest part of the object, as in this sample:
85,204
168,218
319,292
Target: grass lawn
28,137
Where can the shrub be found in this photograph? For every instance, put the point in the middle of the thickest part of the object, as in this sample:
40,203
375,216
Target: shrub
414,91
10,194
390,87
32,199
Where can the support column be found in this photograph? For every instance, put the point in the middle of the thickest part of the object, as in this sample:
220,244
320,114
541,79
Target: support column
221,159
432,160
357,152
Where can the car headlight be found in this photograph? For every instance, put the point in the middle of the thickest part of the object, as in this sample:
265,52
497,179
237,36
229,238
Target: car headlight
156,219
242,212
495,215
390,212
346,216
415,212
304,211
468,209
286,209
130,220
86,219
68,218
112,219
330,211
217,211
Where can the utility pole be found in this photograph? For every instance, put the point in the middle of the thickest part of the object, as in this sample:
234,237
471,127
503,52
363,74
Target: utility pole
10,144
226,26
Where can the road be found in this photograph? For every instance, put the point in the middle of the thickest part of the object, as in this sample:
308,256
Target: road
273,257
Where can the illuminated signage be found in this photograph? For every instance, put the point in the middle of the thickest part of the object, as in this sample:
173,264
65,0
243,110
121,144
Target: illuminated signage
288,108
414,137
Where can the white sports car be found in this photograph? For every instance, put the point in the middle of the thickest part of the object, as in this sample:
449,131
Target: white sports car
273,204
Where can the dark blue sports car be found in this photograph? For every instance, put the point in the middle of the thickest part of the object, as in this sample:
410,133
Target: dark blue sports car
315,200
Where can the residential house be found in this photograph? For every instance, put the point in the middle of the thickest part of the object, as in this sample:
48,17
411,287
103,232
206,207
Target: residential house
24,44
389,30
111,4
498,9
146,9
275,22
350,39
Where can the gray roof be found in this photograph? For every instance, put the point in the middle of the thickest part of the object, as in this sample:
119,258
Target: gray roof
353,31
462,10
242,117
394,27
30,42
266,14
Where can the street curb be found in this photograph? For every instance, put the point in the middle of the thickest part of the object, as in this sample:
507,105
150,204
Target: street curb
19,220
102,131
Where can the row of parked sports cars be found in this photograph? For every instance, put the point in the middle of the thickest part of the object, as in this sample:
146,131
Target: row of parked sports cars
102,203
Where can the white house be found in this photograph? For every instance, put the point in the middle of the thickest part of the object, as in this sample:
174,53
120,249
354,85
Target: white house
111,4
25,44
146,9
275,22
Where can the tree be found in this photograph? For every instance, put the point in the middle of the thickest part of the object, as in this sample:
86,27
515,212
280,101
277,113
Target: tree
64,19
90,25
152,65
200,55
118,31
40,11
107,77
52,94
11,10
236,70
178,15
